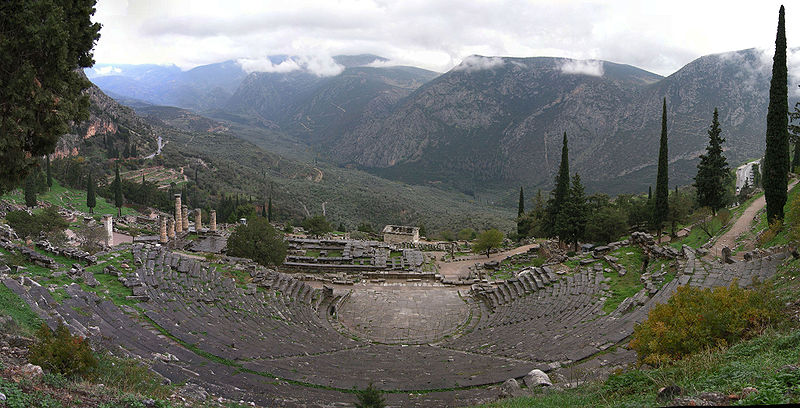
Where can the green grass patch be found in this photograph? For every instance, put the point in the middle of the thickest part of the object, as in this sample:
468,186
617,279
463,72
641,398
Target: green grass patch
782,237
12,305
67,197
623,287
753,363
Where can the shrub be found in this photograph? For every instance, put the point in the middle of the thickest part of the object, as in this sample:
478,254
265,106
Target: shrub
696,319
61,352
259,241
370,397
770,233
47,221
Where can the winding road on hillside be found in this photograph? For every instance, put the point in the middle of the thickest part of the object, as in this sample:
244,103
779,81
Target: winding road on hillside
741,226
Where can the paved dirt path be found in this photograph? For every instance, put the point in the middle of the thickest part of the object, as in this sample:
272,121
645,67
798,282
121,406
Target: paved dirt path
741,226
461,268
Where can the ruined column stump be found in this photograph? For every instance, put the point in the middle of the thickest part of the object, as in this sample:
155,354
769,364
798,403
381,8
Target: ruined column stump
178,218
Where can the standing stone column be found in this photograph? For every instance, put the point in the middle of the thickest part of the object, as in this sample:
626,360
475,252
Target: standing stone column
178,225
198,220
185,217
170,228
109,226
213,220
162,236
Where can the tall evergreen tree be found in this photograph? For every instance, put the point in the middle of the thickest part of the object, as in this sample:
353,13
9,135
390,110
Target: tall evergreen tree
575,214
269,209
520,214
49,174
43,44
117,187
776,156
91,200
661,202
29,189
559,195
713,172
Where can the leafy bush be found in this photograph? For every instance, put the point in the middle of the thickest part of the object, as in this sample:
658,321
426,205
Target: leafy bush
259,241
370,397
770,233
317,225
61,352
48,221
695,319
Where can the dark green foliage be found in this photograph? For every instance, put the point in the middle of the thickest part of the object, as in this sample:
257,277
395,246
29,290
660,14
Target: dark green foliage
713,172
680,206
370,397
487,240
91,200
61,352
116,188
776,156
49,174
521,228
48,221
269,209
606,225
573,216
30,190
559,195
317,225
43,43
259,241
661,202
756,176
694,319
467,234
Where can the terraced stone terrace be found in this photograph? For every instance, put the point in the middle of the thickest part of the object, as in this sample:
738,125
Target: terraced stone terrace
280,341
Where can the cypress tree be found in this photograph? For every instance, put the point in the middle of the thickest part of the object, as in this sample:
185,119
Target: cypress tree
661,203
574,215
30,190
117,187
712,171
49,174
269,209
91,200
560,194
776,156
520,213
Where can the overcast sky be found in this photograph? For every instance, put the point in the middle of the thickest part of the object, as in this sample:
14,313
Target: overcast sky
660,36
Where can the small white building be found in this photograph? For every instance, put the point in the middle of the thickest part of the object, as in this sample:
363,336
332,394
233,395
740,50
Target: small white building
396,234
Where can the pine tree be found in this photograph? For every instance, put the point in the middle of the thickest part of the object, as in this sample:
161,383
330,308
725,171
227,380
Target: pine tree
559,195
117,187
30,190
776,156
713,172
661,202
49,174
43,43
520,214
91,200
574,215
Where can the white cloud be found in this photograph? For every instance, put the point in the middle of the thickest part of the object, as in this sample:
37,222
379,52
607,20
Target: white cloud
477,63
583,67
319,65
265,65
433,34
106,70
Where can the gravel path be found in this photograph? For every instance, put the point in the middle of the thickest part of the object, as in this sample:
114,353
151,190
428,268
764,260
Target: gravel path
741,226
461,268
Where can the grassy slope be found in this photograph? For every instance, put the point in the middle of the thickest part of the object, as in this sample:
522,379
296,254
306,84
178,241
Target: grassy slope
67,197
